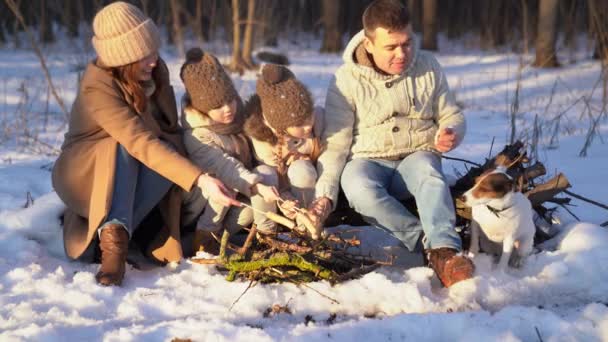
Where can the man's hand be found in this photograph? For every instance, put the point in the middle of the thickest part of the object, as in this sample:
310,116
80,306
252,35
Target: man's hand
319,210
216,190
445,140
269,193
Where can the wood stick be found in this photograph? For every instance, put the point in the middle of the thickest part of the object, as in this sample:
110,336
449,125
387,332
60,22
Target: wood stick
248,241
223,244
603,206
273,216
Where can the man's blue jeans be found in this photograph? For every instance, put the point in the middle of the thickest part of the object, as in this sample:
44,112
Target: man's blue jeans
374,188
137,189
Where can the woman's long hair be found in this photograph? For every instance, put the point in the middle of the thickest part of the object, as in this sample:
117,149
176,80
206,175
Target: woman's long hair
128,76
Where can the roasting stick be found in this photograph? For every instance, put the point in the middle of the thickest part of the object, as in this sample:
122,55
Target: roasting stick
303,218
274,217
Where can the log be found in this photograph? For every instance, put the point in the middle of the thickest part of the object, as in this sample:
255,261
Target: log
464,183
546,191
534,171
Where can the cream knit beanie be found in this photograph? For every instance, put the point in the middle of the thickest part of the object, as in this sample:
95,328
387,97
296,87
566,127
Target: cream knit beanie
123,35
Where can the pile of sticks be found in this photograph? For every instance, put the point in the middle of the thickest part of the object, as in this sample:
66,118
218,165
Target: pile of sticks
291,256
546,195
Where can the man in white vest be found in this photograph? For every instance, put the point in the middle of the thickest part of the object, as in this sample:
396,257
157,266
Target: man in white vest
389,116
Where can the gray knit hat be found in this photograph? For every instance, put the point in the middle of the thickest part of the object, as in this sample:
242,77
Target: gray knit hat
208,85
285,101
123,35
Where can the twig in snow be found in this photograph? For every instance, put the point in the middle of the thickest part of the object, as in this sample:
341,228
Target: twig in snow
15,9
251,284
491,148
323,295
570,212
540,338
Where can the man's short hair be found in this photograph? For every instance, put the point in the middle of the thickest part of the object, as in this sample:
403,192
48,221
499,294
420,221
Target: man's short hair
389,14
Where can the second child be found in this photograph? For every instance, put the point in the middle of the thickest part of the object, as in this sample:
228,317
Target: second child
284,128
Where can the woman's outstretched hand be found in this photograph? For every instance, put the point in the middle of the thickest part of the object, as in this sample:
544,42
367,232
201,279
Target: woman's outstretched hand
216,190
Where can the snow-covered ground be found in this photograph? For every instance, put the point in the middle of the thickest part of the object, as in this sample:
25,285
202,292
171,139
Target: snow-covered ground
560,294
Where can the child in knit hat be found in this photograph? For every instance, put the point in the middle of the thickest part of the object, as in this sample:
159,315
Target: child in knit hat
284,128
213,119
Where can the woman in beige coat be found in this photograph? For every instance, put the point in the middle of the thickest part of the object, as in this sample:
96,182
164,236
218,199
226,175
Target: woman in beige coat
123,153
213,117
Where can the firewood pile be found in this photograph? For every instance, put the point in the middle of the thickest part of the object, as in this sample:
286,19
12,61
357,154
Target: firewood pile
528,179
291,256
294,256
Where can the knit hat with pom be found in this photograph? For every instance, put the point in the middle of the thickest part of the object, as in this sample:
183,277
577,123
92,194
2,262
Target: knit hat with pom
285,101
206,81
123,35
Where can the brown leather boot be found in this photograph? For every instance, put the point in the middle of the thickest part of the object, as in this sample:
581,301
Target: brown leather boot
450,266
114,245
205,242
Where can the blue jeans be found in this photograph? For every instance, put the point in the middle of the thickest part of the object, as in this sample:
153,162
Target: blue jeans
137,189
374,188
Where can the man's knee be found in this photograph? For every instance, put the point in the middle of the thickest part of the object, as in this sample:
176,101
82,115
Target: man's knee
359,188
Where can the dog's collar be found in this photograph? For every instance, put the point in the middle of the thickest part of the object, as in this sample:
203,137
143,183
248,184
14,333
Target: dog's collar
497,211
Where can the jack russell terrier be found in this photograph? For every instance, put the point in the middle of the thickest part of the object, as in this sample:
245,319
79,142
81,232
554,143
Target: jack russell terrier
503,215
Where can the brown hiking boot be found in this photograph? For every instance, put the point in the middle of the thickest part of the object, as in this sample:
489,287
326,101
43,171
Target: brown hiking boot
204,241
114,245
450,266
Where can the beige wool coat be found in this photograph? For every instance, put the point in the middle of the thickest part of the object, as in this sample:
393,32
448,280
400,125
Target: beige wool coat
102,117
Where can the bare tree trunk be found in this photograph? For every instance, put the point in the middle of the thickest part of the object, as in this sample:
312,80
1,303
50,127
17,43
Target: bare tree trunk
145,7
14,27
236,65
354,12
269,31
332,37
599,28
248,38
492,33
524,29
570,20
2,36
197,22
212,20
45,25
178,34
429,25
547,34
415,9
70,17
